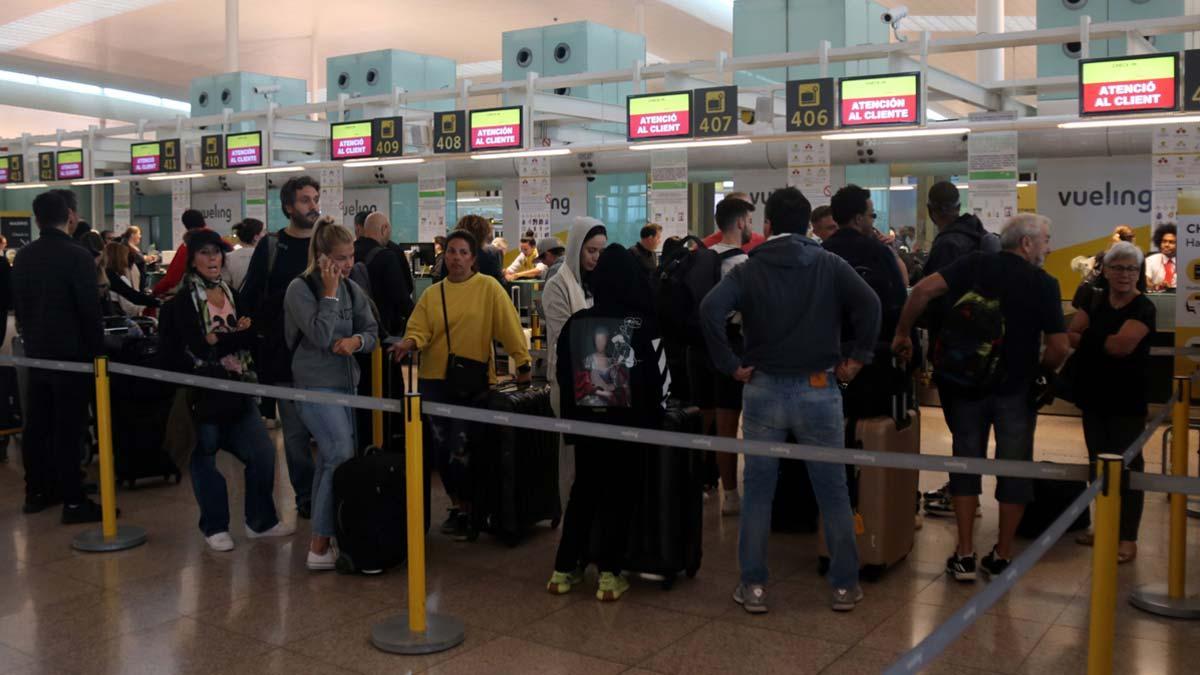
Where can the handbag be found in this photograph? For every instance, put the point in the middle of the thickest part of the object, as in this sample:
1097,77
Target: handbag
466,378
210,406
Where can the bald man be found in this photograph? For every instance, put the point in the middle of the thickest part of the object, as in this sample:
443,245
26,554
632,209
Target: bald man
755,238
391,279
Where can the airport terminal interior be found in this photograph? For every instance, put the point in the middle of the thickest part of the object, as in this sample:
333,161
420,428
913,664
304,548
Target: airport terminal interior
1054,134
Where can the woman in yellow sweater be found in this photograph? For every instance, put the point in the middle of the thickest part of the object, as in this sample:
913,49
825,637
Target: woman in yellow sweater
454,326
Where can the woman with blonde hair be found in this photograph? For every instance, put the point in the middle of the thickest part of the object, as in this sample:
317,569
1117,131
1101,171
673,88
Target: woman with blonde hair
328,320
121,284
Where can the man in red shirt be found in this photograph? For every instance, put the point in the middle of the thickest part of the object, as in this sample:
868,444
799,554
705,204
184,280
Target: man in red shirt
755,238
192,220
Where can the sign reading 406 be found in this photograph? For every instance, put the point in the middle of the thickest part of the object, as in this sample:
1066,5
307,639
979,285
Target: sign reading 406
810,105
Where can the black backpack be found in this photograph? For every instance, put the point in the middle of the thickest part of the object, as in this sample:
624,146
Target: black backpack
969,349
686,276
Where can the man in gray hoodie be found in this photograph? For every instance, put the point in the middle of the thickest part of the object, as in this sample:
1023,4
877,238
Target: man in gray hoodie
792,295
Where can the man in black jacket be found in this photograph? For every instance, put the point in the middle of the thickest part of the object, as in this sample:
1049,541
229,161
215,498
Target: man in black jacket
58,312
957,234
391,278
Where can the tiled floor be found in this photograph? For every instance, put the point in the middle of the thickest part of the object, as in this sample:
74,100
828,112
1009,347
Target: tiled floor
172,606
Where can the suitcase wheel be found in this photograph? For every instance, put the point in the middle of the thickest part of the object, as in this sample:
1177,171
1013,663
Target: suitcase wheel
668,582
691,572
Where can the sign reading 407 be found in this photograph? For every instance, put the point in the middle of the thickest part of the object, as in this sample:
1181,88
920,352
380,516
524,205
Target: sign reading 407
810,105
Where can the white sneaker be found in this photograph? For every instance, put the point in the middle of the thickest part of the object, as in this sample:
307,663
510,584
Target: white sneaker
322,563
281,529
732,504
220,542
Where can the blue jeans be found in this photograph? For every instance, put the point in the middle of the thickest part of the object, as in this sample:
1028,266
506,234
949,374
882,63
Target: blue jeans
333,428
246,438
970,421
771,407
298,451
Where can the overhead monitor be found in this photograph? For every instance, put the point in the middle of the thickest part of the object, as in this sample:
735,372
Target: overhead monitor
880,100
12,169
350,140
145,158
496,128
70,164
659,116
243,150
1129,84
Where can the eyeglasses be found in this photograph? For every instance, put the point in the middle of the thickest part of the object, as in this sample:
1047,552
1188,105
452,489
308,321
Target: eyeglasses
1123,269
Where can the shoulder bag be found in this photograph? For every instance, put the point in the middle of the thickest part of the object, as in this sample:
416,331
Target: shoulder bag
466,378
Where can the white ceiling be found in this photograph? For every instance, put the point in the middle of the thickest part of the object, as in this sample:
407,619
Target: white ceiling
162,45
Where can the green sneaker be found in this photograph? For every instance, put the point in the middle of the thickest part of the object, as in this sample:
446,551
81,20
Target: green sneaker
561,583
612,587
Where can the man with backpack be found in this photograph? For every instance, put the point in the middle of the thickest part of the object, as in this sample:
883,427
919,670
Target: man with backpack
383,273
987,362
793,296
278,259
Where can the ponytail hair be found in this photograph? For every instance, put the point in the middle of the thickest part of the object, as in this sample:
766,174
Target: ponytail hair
327,234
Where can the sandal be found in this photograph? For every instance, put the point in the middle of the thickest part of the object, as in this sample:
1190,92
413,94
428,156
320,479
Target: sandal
1085,539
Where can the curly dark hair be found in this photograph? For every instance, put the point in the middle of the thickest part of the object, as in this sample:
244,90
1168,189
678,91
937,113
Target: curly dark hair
1162,231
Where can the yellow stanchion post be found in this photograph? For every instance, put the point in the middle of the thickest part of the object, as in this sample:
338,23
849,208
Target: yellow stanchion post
110,536
377,392
1171,599
1102,621
418,631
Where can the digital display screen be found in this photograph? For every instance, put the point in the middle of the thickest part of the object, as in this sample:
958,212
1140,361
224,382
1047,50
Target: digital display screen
4,172
243,150
1129,84
880,100
657,116
14,168
70,164
496,129
145,158
350,140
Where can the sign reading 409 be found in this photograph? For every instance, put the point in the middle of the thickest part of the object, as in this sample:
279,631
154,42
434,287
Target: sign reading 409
810,105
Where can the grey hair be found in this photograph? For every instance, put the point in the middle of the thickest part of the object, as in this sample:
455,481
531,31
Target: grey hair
1124,250
1020,226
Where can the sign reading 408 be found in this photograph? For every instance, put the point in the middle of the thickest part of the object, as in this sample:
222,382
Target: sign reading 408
810,105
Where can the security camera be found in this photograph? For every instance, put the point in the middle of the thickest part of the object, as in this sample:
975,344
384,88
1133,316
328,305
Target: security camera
894,15
267,90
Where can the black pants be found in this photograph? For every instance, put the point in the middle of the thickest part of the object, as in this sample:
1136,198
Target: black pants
1109,433
54,429
596,524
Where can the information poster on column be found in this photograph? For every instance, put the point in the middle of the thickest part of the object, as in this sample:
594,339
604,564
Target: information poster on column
808,171
122,208
1187,294
1175,166
431,200
668,202
256,198
533,195
992,172
181,200
331,190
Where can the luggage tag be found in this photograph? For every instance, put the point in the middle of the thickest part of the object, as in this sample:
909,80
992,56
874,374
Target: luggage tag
818,380
860,528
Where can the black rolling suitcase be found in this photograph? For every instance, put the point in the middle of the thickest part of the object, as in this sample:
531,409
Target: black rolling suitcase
141,409
514,470
11,421
794,508
371,512
1050,499
667,517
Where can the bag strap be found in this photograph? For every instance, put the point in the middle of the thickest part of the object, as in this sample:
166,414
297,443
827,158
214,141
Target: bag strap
445,317
371,255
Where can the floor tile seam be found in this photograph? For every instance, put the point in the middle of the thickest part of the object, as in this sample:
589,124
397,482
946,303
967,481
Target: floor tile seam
303,636
498,635
56,657
672,643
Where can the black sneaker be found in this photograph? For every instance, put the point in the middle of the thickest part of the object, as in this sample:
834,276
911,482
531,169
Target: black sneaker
466,530
86,511
938,494
37,503
453,522
961,568
993,565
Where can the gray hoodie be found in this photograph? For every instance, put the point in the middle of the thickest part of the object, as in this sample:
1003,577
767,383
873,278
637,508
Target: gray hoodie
793,296
563,294
314,325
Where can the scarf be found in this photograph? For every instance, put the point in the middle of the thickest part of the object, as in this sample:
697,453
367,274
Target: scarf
238,364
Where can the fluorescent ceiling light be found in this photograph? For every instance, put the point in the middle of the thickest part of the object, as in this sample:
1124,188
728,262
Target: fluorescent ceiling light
132,96
168,176
727,184
67,85
517,154
270,169
182,106
25,186
385,162
1131,121
97,181
1021,185
469,200
681,145
896,133
962,186
902,187
19,78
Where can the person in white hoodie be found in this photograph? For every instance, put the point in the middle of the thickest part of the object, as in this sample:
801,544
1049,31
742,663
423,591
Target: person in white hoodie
565,294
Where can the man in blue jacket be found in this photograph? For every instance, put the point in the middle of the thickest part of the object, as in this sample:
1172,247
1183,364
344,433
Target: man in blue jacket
792,295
